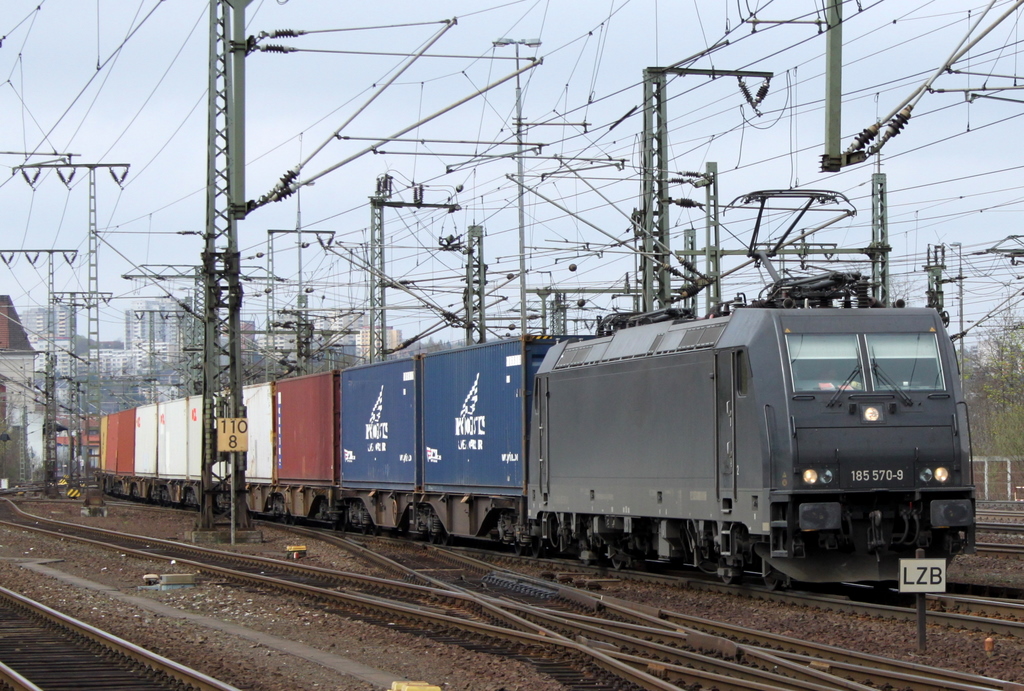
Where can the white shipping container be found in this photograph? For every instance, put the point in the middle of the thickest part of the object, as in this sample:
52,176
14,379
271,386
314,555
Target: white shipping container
259,403
146,443
173,439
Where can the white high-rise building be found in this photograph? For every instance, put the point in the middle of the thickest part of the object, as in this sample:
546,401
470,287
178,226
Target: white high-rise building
155,321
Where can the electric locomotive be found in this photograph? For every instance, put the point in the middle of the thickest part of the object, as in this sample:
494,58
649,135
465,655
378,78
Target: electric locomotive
818,444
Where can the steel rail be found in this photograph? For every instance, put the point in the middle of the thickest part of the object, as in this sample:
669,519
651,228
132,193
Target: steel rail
499,611
689,667
1000,527
9,679
521,632
1001,551
911,675
181,674
866,668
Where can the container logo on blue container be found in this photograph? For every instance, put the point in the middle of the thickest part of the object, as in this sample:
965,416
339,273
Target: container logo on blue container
377,431
468,425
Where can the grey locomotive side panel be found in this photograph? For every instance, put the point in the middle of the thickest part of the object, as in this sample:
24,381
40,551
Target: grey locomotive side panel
628,438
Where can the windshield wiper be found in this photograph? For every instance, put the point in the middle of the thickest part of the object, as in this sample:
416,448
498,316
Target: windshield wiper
843,387
887,380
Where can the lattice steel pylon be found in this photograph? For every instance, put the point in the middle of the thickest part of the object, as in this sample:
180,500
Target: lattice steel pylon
66,171
475,299
225,205
377,284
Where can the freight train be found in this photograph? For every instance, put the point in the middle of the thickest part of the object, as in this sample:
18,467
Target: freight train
815,443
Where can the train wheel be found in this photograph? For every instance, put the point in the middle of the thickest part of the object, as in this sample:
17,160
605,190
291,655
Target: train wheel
773,580
730,578
621,561
539,550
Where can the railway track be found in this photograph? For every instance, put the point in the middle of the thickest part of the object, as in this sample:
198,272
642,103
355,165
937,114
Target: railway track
681,642
413,607
1004,551
587,640
41,648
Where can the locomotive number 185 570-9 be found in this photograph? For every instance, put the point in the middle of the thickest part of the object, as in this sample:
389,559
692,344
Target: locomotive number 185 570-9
882,475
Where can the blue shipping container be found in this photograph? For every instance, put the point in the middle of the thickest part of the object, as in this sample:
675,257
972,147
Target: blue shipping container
475,402
379,432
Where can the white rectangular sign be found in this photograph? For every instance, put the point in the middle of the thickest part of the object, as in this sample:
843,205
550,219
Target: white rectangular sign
922,575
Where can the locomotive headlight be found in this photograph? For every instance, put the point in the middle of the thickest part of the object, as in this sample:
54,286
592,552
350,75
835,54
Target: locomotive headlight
810,476
941,474
825,476
871,414
926,475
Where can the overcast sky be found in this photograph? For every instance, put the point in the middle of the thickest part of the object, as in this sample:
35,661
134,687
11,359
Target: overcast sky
124,82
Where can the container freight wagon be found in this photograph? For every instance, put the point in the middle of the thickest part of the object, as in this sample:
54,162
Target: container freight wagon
304,480
154,452
475,434
380,441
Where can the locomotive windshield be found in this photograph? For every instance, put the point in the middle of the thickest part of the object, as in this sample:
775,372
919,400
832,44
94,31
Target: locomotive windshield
896,362
908,361
824,362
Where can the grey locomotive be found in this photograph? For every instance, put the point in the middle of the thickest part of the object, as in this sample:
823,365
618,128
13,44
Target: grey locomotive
809,444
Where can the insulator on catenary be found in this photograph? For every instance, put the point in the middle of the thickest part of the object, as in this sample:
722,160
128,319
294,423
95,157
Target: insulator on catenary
744,90
898,122
864,137
283,33
277,49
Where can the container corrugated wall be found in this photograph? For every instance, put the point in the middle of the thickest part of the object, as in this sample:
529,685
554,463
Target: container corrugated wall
473,414
146,440
379,432
124,443
307,424
259,405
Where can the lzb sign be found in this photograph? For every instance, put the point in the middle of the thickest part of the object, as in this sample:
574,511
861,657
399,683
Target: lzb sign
232,434
922,575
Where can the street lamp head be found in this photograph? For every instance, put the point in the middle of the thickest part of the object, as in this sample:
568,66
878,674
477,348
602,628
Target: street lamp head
504,42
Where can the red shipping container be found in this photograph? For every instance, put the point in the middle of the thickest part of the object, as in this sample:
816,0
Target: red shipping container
121,443
308,426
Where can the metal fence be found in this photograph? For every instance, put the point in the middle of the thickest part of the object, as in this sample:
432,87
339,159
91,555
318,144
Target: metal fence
999,478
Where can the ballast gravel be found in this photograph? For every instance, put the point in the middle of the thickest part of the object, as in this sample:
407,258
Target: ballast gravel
248,665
